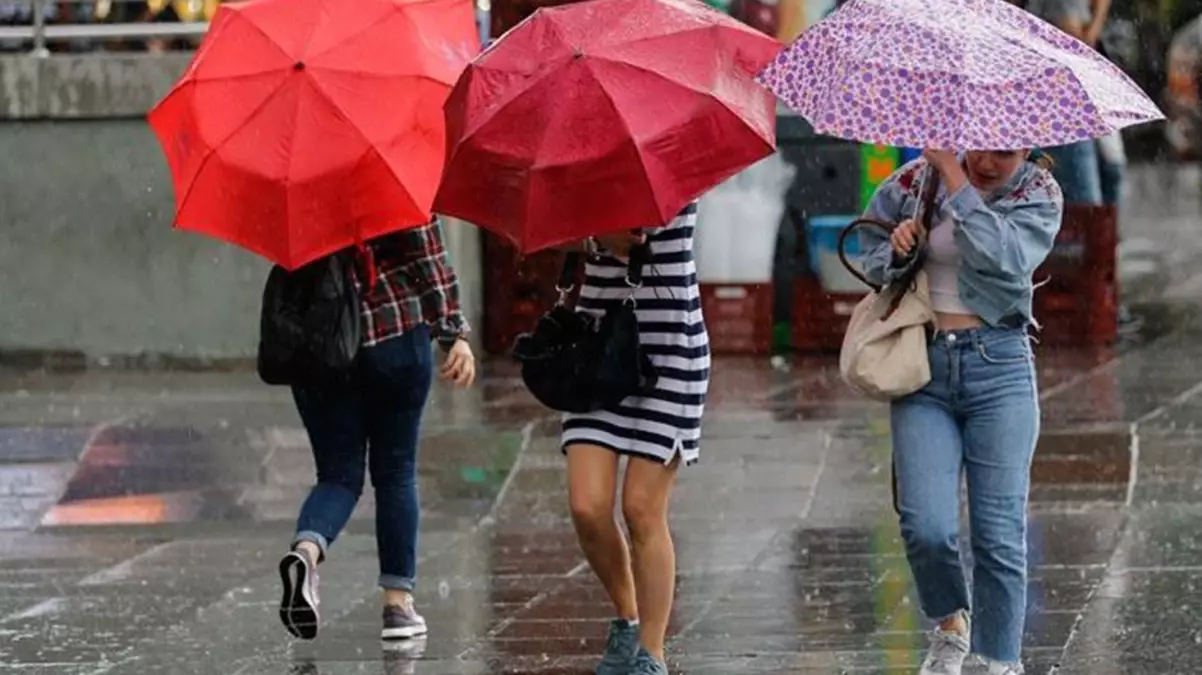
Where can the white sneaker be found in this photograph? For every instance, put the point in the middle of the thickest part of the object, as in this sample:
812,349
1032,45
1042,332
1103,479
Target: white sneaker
998,668
947,653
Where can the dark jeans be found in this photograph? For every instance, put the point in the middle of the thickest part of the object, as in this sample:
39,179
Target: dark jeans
371,419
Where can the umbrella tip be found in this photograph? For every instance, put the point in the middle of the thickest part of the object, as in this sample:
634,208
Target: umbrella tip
299,65
577,53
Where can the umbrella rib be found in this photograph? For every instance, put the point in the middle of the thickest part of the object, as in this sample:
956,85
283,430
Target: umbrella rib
527,86
638,151
350,122
649,71
366,27
217,147
270,40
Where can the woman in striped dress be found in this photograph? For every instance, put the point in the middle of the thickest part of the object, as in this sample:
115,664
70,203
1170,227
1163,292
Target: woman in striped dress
657,432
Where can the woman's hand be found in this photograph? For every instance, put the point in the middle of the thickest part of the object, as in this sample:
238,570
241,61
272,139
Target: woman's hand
904,238
460,365
948,166
619,244
943,160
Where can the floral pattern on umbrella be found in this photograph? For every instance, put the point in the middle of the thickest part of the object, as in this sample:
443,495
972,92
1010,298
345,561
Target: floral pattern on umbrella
952,74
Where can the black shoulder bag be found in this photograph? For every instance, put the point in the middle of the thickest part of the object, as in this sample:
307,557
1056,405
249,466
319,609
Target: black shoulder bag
310,325
576,362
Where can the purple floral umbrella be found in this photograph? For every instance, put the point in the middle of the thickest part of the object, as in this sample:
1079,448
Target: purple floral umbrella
953,75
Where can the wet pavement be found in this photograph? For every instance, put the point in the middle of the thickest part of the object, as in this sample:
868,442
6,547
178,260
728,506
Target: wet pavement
142,514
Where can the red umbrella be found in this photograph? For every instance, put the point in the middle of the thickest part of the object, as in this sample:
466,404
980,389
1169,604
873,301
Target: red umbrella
604,115
304,126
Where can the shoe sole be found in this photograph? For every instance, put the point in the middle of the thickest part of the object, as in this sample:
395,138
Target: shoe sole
404,633
298,609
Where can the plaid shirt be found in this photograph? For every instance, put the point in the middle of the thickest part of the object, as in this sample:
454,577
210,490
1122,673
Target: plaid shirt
414,285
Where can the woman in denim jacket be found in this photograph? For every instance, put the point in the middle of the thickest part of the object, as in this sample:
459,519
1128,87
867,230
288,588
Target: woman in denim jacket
997,216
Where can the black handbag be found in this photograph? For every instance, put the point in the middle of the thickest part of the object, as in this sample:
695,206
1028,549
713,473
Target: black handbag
310,327
576,362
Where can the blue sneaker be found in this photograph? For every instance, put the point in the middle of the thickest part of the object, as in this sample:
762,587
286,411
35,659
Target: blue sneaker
620,648
646,664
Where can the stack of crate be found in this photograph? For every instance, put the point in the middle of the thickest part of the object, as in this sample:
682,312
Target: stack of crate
738,317
819,317
517,290
1078,304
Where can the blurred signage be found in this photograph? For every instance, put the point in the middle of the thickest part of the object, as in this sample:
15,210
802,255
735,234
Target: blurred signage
877,162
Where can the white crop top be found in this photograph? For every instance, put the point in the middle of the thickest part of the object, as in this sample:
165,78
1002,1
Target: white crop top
943,270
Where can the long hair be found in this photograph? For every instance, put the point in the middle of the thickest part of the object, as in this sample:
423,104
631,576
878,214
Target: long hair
1041,159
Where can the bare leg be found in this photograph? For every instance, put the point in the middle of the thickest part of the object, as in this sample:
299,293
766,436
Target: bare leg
645,498
592,483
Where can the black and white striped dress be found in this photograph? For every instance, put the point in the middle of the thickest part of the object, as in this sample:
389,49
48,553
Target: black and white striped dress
666,424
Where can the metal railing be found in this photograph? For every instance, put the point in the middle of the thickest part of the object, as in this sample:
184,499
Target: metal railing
40,33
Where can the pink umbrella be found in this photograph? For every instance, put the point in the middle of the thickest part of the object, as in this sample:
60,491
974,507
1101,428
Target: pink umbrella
954,75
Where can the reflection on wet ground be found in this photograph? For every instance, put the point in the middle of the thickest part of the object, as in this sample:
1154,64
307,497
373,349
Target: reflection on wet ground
790,560
141,516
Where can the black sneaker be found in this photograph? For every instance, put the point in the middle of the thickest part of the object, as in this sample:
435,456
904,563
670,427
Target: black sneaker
298,609
402,622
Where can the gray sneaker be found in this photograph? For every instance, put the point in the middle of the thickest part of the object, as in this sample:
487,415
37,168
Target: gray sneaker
646,664
402,622
298,608
620,648
946,655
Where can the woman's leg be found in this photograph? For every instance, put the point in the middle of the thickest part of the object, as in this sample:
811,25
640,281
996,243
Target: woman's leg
645,496
928,457
1077,172
927,453
333,416
334,419
592,483
1001,429
398,379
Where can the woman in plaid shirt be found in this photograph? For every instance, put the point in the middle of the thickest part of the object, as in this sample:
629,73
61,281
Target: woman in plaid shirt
409,295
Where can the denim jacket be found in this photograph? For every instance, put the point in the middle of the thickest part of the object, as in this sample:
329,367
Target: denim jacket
1003,237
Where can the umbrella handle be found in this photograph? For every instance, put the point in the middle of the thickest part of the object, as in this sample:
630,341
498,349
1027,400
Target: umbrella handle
930,189
881,225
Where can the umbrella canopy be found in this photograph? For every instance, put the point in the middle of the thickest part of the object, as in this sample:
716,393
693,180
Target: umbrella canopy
954,75
604,115
304,126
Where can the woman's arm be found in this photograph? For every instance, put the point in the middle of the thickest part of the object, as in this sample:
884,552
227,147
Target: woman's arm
439,291
887,205
1014,238
1099,13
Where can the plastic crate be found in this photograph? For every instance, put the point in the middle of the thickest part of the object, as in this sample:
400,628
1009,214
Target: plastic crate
820,318
822,249
738,317
1077,303
1087,242
517,290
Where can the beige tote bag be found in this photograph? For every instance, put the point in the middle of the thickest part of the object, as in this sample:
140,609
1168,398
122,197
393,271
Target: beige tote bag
884,353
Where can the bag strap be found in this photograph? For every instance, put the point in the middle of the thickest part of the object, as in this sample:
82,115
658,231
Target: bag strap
887,228
926,214
639,256
567,277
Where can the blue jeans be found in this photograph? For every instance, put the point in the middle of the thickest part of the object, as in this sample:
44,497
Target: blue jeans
979,416
1112,165
1077,172
371,419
